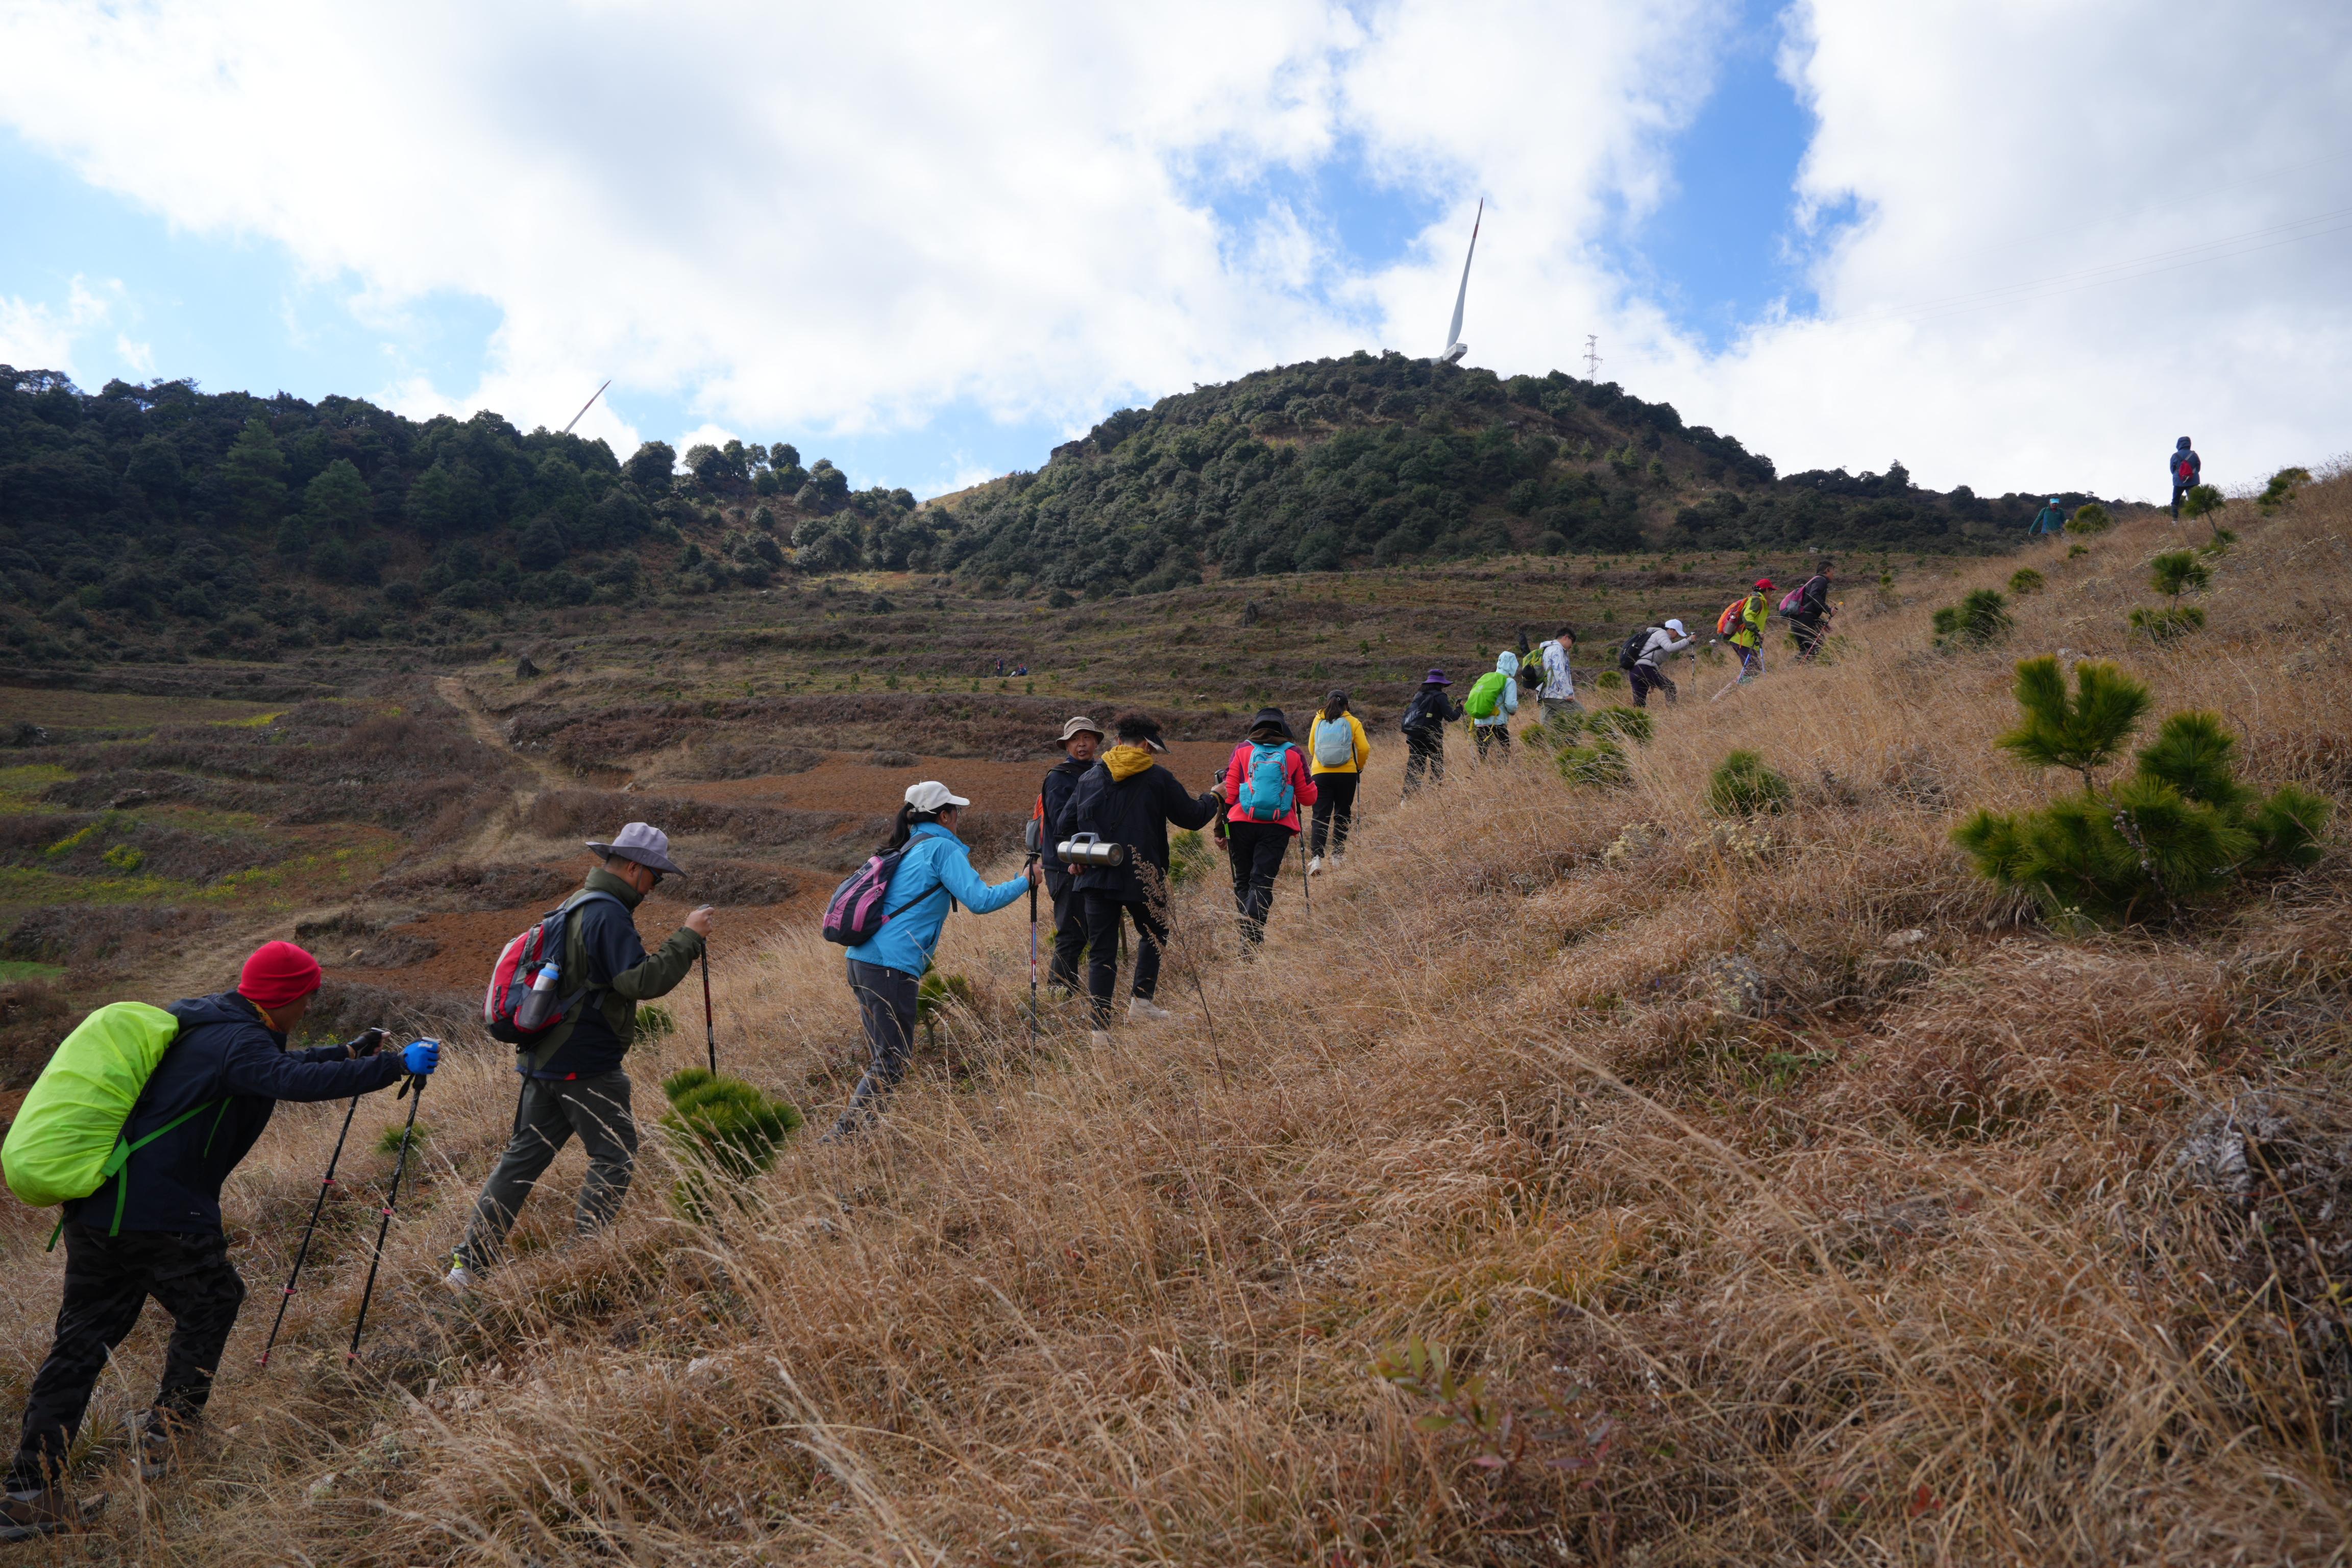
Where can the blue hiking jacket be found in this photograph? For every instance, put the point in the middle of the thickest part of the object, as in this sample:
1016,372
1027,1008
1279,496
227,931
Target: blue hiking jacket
937,865
226,1053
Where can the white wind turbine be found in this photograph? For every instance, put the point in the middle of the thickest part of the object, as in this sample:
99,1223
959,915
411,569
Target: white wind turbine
1455,347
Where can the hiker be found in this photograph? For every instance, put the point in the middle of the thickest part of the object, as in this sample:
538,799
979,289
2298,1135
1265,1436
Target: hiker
1337,750
1425,718
1493,697
1127,798
2048,519
572,1080
2186,465
1081,739
1745,619
1809,617
1647,671
933,875
1558,694
155,1228
1265,782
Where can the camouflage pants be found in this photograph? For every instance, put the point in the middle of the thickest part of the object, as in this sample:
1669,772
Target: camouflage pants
108,1281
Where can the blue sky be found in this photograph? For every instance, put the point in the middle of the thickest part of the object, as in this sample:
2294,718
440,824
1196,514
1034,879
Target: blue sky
977,230
238,311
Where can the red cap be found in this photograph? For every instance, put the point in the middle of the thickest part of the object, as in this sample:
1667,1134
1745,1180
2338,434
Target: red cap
276,973
1765,583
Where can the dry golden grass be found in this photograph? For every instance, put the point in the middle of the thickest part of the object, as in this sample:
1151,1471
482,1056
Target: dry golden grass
1898,1267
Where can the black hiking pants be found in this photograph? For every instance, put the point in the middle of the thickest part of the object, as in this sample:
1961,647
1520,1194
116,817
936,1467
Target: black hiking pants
108,1281
1424,756
1069,937
1335,812
1648,678
1103,912
1494,735
1808,631
1257,849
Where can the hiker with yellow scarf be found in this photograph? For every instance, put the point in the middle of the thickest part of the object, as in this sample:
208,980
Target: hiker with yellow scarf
1128,798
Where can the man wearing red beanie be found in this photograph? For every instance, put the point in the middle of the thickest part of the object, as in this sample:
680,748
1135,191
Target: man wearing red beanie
154,1228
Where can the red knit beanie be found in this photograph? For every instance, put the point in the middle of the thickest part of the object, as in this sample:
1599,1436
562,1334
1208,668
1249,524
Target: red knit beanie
276,973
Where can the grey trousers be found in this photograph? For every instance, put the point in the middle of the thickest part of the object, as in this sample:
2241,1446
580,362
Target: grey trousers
552,1110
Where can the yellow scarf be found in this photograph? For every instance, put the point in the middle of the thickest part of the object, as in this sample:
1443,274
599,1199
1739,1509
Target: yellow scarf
1126,762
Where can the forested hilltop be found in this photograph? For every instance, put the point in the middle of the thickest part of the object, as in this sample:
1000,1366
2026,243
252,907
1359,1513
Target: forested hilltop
160,522
1372,459
147,520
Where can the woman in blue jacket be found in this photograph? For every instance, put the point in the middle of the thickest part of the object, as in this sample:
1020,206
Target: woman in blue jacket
933,875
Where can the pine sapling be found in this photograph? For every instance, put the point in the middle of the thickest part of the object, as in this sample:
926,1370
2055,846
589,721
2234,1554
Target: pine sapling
2082,734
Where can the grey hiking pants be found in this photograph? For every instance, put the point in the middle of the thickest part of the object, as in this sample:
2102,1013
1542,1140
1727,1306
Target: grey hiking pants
552,1110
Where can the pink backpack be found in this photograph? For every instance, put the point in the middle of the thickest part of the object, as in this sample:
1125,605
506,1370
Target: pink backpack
854,914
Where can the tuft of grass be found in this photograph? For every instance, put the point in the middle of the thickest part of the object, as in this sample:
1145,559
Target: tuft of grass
1743,784
1979,618
2026,580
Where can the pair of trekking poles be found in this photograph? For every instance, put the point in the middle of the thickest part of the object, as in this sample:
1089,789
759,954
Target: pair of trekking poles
414,1092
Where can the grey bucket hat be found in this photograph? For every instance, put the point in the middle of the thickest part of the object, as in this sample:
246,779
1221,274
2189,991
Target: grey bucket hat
645,844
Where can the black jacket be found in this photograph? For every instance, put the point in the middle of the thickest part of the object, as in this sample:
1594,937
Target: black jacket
1426,717
601,949
1812,599
1061,783
1134,811
224,1052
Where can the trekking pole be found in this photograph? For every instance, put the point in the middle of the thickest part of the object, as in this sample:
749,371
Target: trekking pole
390,1202
709,1031
1033,967
303,1252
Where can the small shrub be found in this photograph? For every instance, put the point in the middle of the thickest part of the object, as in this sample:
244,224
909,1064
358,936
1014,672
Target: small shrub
2220,543
1609,681
2072,550
2178,571
721,1126
1635,724
2202,500
2179,829
934,991
1743,785
2163,623
2282,488
655,1022
1188,857
2025,580
2089,518
1598,762
125,857
1976,620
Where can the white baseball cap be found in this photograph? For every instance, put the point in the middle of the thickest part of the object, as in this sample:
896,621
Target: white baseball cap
1676,628
932,795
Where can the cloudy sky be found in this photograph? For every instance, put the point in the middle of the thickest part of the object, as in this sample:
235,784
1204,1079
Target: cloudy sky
2011,243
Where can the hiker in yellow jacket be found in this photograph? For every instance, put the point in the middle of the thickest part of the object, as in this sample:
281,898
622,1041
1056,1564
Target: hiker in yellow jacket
1747,634
1336,750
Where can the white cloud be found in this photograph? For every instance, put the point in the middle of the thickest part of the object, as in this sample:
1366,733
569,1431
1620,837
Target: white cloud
850,220
37,336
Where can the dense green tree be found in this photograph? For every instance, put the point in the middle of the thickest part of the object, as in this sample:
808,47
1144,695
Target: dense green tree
651,468
254,473
336,503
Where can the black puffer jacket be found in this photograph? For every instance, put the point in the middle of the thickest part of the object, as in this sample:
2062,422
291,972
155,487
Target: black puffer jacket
1061,783
1134,811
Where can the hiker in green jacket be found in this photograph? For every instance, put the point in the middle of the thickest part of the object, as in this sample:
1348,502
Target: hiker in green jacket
573,1083
1747,634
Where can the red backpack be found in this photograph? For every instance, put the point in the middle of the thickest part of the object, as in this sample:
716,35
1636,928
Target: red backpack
519,964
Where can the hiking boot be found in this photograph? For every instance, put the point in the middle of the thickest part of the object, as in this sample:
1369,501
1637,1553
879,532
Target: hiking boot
150,1445
460,1280
1099,1039
44,1511
1315,867
1140,1008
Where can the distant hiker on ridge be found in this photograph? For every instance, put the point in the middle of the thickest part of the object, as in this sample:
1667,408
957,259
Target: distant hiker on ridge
2048,519
2186,465
1809,617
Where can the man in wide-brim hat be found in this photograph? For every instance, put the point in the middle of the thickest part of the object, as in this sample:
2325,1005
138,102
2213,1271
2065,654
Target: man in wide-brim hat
571,1077
1081,740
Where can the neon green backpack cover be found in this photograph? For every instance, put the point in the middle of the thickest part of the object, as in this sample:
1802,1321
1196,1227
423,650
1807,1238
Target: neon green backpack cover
68,1137
1486,695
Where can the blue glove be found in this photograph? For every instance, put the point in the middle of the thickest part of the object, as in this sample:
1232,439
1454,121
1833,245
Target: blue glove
421,1057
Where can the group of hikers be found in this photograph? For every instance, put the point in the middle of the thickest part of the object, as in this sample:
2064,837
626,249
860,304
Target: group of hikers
151,1225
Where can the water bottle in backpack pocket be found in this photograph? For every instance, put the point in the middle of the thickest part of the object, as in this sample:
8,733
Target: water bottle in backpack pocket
1335,742
522,1001
1266,791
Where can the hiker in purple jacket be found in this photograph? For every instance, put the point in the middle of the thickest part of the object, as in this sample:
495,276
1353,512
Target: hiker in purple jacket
2186,465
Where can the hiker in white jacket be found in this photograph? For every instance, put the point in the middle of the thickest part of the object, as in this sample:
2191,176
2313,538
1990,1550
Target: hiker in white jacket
1665,643
1494,729
1559,693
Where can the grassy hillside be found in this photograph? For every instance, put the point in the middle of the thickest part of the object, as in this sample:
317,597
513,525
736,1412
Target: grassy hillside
1377,459
1592,1178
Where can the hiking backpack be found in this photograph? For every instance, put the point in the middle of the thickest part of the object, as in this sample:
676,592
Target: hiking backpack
1266,793
519,964
1486,695
1791,599
1629,652
68,1135
1417,714
1728,622
854,914
1335,741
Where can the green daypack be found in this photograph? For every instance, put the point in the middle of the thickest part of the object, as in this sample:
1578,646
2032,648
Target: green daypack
1485,696
68,1137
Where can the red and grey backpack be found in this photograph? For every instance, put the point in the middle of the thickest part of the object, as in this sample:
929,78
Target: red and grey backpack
519,964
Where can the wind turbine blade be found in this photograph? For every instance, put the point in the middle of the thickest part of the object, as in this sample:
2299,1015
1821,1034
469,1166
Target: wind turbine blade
608,380
1461,295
